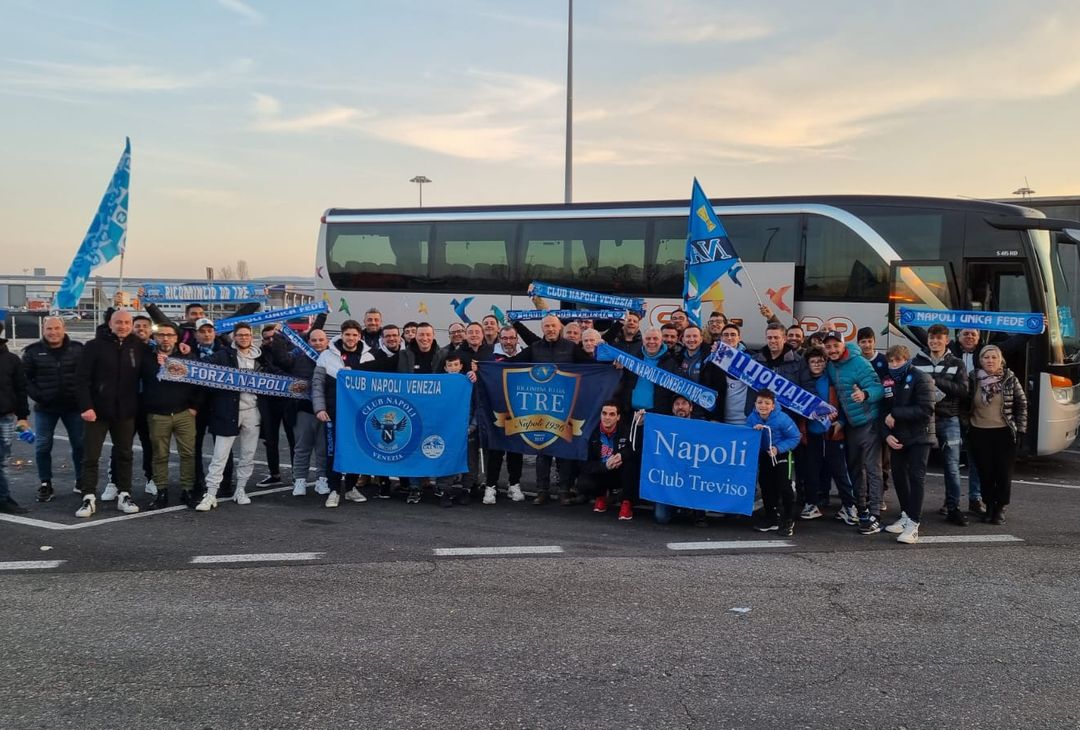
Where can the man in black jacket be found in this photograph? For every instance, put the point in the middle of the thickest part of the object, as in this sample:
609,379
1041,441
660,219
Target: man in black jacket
171,409
51,366
14,411
951,388
108,398
206,344
612,466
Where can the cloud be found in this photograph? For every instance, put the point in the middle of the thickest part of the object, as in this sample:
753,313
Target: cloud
268,117
686,22
75,77
241,8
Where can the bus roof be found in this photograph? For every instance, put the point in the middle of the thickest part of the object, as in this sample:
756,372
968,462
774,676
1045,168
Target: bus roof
840,201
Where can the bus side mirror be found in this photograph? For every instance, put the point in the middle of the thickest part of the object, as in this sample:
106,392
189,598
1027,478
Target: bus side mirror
1069,235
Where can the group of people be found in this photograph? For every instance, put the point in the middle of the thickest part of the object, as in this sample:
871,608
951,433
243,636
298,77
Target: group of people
892,409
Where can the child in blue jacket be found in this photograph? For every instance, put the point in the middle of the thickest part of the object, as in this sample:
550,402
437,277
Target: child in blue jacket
776,466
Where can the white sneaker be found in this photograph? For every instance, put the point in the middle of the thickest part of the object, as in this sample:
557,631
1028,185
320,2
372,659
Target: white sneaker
810,512
76,488
848,515
110,492
208,503
89,506
333,499
489,495
322,486
150,488
354,495
910,535
299,488
516,495
240,496
125,505
899,526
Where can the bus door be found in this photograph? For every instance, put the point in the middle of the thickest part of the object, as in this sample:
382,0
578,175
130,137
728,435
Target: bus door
997,285
920,285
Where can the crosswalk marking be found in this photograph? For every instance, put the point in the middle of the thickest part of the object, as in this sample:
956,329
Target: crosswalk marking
254,558
511,550
934,539
30,564
730,545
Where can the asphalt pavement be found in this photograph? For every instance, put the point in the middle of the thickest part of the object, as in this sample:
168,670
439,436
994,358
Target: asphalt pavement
382,614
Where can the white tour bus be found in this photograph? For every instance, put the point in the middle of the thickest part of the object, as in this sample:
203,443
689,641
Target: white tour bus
855,258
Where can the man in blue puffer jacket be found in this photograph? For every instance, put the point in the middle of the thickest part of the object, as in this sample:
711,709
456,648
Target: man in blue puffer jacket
780,493
860,391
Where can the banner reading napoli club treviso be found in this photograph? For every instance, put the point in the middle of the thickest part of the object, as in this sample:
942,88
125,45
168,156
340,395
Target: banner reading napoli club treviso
542,408
397,425
699,464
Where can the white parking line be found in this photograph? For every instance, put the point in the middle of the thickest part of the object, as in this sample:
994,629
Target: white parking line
255,558
31,564
934,539
1018,481
730,545
512,550
103,506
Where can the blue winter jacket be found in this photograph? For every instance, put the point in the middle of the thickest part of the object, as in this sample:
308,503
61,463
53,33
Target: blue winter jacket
851,370
785,434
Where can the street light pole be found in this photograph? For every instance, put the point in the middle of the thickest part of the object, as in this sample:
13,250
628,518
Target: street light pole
569,180
420,180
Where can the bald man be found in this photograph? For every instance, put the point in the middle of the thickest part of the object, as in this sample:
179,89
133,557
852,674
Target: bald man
108,398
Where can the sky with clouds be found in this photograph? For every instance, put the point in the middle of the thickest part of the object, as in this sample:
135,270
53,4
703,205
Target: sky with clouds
248,118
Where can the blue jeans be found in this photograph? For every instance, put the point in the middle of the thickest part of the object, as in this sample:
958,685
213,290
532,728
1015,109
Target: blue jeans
7,433
949,442
827,463
44,428
662,513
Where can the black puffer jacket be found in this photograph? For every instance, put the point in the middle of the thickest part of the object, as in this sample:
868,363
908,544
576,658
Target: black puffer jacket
1014,405
950,377
12,384
51,374
109,372
910,401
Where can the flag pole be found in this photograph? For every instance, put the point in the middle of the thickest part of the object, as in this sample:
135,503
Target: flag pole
120,287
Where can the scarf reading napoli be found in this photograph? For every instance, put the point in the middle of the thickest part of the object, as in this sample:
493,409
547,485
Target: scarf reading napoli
542,408
401,425
699,464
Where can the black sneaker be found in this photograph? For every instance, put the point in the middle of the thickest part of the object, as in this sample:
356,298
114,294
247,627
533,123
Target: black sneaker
45,491
998,517
384,490
944,511
161,499
414,497
445,500
957,517
787,528
270,480
11,507
869,525
767,524
188,498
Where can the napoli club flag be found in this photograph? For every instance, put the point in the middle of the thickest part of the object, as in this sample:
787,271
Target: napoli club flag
709,256
401,425
699,464
542,408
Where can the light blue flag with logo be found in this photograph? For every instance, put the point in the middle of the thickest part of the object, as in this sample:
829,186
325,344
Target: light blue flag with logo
105,239
398,425
709,255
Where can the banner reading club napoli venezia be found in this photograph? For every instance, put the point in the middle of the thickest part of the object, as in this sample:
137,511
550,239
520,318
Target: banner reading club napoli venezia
699,464
397,425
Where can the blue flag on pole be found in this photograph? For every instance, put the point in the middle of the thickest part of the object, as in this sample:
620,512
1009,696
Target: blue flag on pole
104,240
699,464
396,425
543,408
709,255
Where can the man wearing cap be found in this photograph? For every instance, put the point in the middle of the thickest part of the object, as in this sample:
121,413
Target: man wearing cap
206,343
860,392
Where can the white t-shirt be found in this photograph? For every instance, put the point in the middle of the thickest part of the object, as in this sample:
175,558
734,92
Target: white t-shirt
735,404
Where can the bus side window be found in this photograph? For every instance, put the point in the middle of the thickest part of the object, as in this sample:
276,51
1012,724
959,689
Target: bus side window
841,265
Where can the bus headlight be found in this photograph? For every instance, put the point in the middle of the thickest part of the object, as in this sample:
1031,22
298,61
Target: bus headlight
1063,389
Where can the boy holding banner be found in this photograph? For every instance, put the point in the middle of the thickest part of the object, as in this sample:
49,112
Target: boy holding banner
780,493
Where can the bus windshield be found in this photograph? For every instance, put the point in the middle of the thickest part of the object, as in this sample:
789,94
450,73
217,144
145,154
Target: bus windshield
1065,262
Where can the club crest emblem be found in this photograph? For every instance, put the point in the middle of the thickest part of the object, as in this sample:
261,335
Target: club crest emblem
391,426
540,402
